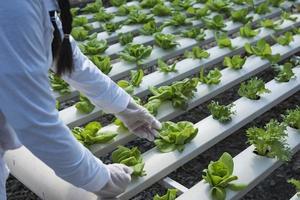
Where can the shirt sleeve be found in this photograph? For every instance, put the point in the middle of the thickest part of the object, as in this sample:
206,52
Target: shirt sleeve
98,87
26,98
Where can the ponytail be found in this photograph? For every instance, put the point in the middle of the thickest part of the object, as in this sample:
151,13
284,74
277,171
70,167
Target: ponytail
61,48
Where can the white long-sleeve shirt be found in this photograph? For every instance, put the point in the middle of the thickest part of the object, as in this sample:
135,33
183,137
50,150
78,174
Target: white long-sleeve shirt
27,102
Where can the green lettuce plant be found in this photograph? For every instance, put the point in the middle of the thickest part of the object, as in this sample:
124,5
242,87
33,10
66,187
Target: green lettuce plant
195,33
214,23
103,16
92,134
161,10
131,158
135,53
236,62
196,53
150,28
125,38
94,47
102,62
163,67
174,136
165,41
263,50
292,118
270,141
84,105
171,195
253,88
284,72
92,7
212,78
247,32
58,84
221,113
219,175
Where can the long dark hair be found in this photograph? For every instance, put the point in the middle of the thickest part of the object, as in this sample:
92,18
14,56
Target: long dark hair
61,48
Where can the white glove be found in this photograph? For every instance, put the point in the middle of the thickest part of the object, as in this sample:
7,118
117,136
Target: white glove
120,177
139,121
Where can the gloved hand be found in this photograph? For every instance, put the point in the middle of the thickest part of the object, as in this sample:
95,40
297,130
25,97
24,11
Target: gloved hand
120,177
139,121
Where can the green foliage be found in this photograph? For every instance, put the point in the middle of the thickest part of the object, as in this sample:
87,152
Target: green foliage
219,175
181,5
284,73
117,3
74,11
92,134
171,195
288,16
262,8
126,85
296,184
57,105
111,27
135,52
285,39
195,33
215,23
236,62
150,28
292,118
196,53
263,50
270,141
247,32
150,3
223,41
242,2
84,105
174,136
218,5
212,78
136,77
103,16
220,112
94,47
58,84
102,62
81,22
80,34
178,19
165,41
161,10
295,60
125,38
270,24
178,93
131,158
198,13
253,88
240,16
92,7
125,10
153,106
138,17
163,67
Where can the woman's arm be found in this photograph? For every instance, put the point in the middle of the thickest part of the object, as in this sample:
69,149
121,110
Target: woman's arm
98,87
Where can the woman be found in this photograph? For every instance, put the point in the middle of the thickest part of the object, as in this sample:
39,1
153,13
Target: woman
27,107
